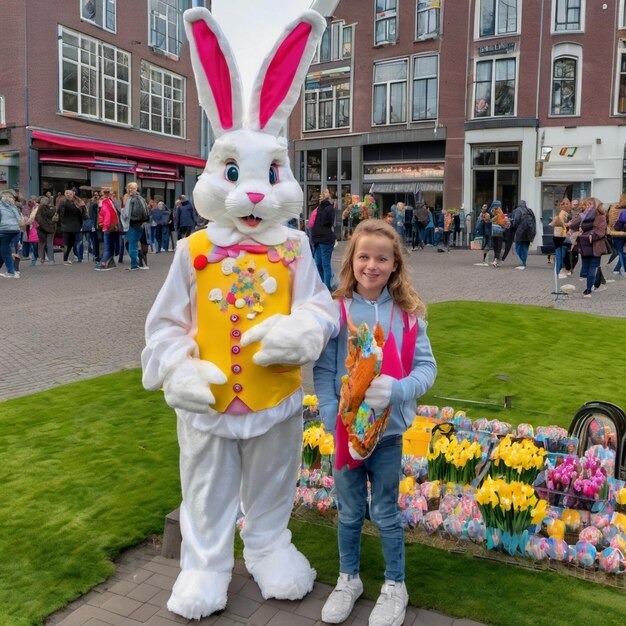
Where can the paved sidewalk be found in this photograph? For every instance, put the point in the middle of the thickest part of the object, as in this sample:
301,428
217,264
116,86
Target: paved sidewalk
138,592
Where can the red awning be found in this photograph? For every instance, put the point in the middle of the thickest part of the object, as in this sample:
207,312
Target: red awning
88,160
92,145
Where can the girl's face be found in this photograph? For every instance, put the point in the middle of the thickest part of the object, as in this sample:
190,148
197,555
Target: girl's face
372,264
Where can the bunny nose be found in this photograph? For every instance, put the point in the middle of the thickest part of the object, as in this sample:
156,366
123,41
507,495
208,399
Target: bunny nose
255,198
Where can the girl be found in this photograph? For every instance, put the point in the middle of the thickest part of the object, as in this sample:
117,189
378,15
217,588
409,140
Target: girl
375,286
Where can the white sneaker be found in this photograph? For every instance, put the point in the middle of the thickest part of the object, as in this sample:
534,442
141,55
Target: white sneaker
391,605
562,274
610,280
520,267
341,601
600,288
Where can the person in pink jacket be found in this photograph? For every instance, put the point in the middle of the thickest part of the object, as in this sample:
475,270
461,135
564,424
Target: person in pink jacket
108,220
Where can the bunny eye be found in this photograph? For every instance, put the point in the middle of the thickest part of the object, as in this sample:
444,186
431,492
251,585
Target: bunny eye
273,175
231,172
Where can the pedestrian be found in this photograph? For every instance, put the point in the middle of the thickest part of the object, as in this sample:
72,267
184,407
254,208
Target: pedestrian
421,219
429,231
509,233
46,227
72,211
163,232
109,223
31,234
323,238
591,226
498,223
523,221
94,234
408,224
485,230
184,218
374,287
616,228
558,236
135,212
10,219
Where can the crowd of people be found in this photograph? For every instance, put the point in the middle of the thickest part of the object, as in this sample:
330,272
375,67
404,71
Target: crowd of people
101,228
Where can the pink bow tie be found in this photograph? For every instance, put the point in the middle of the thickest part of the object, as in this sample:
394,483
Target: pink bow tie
218,253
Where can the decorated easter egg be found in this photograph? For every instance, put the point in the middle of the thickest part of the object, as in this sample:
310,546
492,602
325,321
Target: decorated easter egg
537,548
432,521
447,412
611,561
476,530
448,504
600,520
586,554
556,528
608,532
412,517
619,541
591,534
558,550
453,525
525,430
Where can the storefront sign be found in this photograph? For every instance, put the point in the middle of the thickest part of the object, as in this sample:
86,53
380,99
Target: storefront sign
402,171
497,48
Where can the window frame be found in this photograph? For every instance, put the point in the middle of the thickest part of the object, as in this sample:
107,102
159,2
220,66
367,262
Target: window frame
3,117
153,14
619,94
561,52
386,15
388,94
316,101
621,18
151,67
436,7
563,31
98,80
336,43
497,10
105,11
414,81
493,80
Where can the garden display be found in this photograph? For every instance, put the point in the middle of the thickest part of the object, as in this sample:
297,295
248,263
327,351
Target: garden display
522,492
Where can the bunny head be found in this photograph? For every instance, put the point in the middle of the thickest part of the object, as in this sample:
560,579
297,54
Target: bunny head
247,184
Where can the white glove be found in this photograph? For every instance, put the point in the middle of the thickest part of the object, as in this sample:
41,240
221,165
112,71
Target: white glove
293,339
378,394
187,385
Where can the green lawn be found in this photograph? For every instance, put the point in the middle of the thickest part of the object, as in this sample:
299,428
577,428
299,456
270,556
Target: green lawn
91,468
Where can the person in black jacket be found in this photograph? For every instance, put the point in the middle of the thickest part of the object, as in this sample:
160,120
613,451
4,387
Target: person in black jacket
323,237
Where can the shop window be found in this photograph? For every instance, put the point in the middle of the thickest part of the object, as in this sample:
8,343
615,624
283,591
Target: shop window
94,78
162,101
496,175
494,88
331,164
314,165
497,17
165,23
389,101
425,87
427,19
327,101
346,163
385,22
567,15
335,45
99,12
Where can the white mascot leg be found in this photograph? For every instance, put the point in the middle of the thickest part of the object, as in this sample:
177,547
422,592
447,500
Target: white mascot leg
270,466
210,471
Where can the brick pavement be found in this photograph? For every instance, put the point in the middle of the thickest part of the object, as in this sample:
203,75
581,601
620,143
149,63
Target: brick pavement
56,321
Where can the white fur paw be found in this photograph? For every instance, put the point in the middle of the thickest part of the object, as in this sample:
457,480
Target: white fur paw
198,594
285,574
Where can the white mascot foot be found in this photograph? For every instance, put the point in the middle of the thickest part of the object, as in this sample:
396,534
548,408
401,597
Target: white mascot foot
285,574
198,593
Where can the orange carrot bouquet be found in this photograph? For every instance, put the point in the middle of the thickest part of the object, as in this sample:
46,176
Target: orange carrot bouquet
363,364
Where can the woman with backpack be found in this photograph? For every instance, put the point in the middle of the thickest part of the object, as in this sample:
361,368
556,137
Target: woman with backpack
525,230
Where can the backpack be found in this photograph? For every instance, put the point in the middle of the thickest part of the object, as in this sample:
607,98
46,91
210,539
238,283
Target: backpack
312,218
422,216
527,223
139,209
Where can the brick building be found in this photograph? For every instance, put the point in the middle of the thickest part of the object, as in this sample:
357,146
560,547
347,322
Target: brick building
98,92
458,103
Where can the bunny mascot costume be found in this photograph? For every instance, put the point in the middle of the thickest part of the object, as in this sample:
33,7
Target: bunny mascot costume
241,310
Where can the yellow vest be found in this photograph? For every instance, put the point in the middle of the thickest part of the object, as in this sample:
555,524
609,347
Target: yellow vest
234,293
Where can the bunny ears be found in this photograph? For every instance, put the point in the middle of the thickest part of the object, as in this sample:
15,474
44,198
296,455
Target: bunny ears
277,85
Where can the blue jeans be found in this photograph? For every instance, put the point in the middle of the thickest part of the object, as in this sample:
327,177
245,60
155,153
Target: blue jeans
153,235
109,246
5,250
619,242
383,470
521,249
559,255
323,254
589,268
132,236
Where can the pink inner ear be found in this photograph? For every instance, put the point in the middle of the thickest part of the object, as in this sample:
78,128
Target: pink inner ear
216,70
281,71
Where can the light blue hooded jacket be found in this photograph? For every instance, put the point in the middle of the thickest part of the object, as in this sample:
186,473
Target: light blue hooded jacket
330,367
